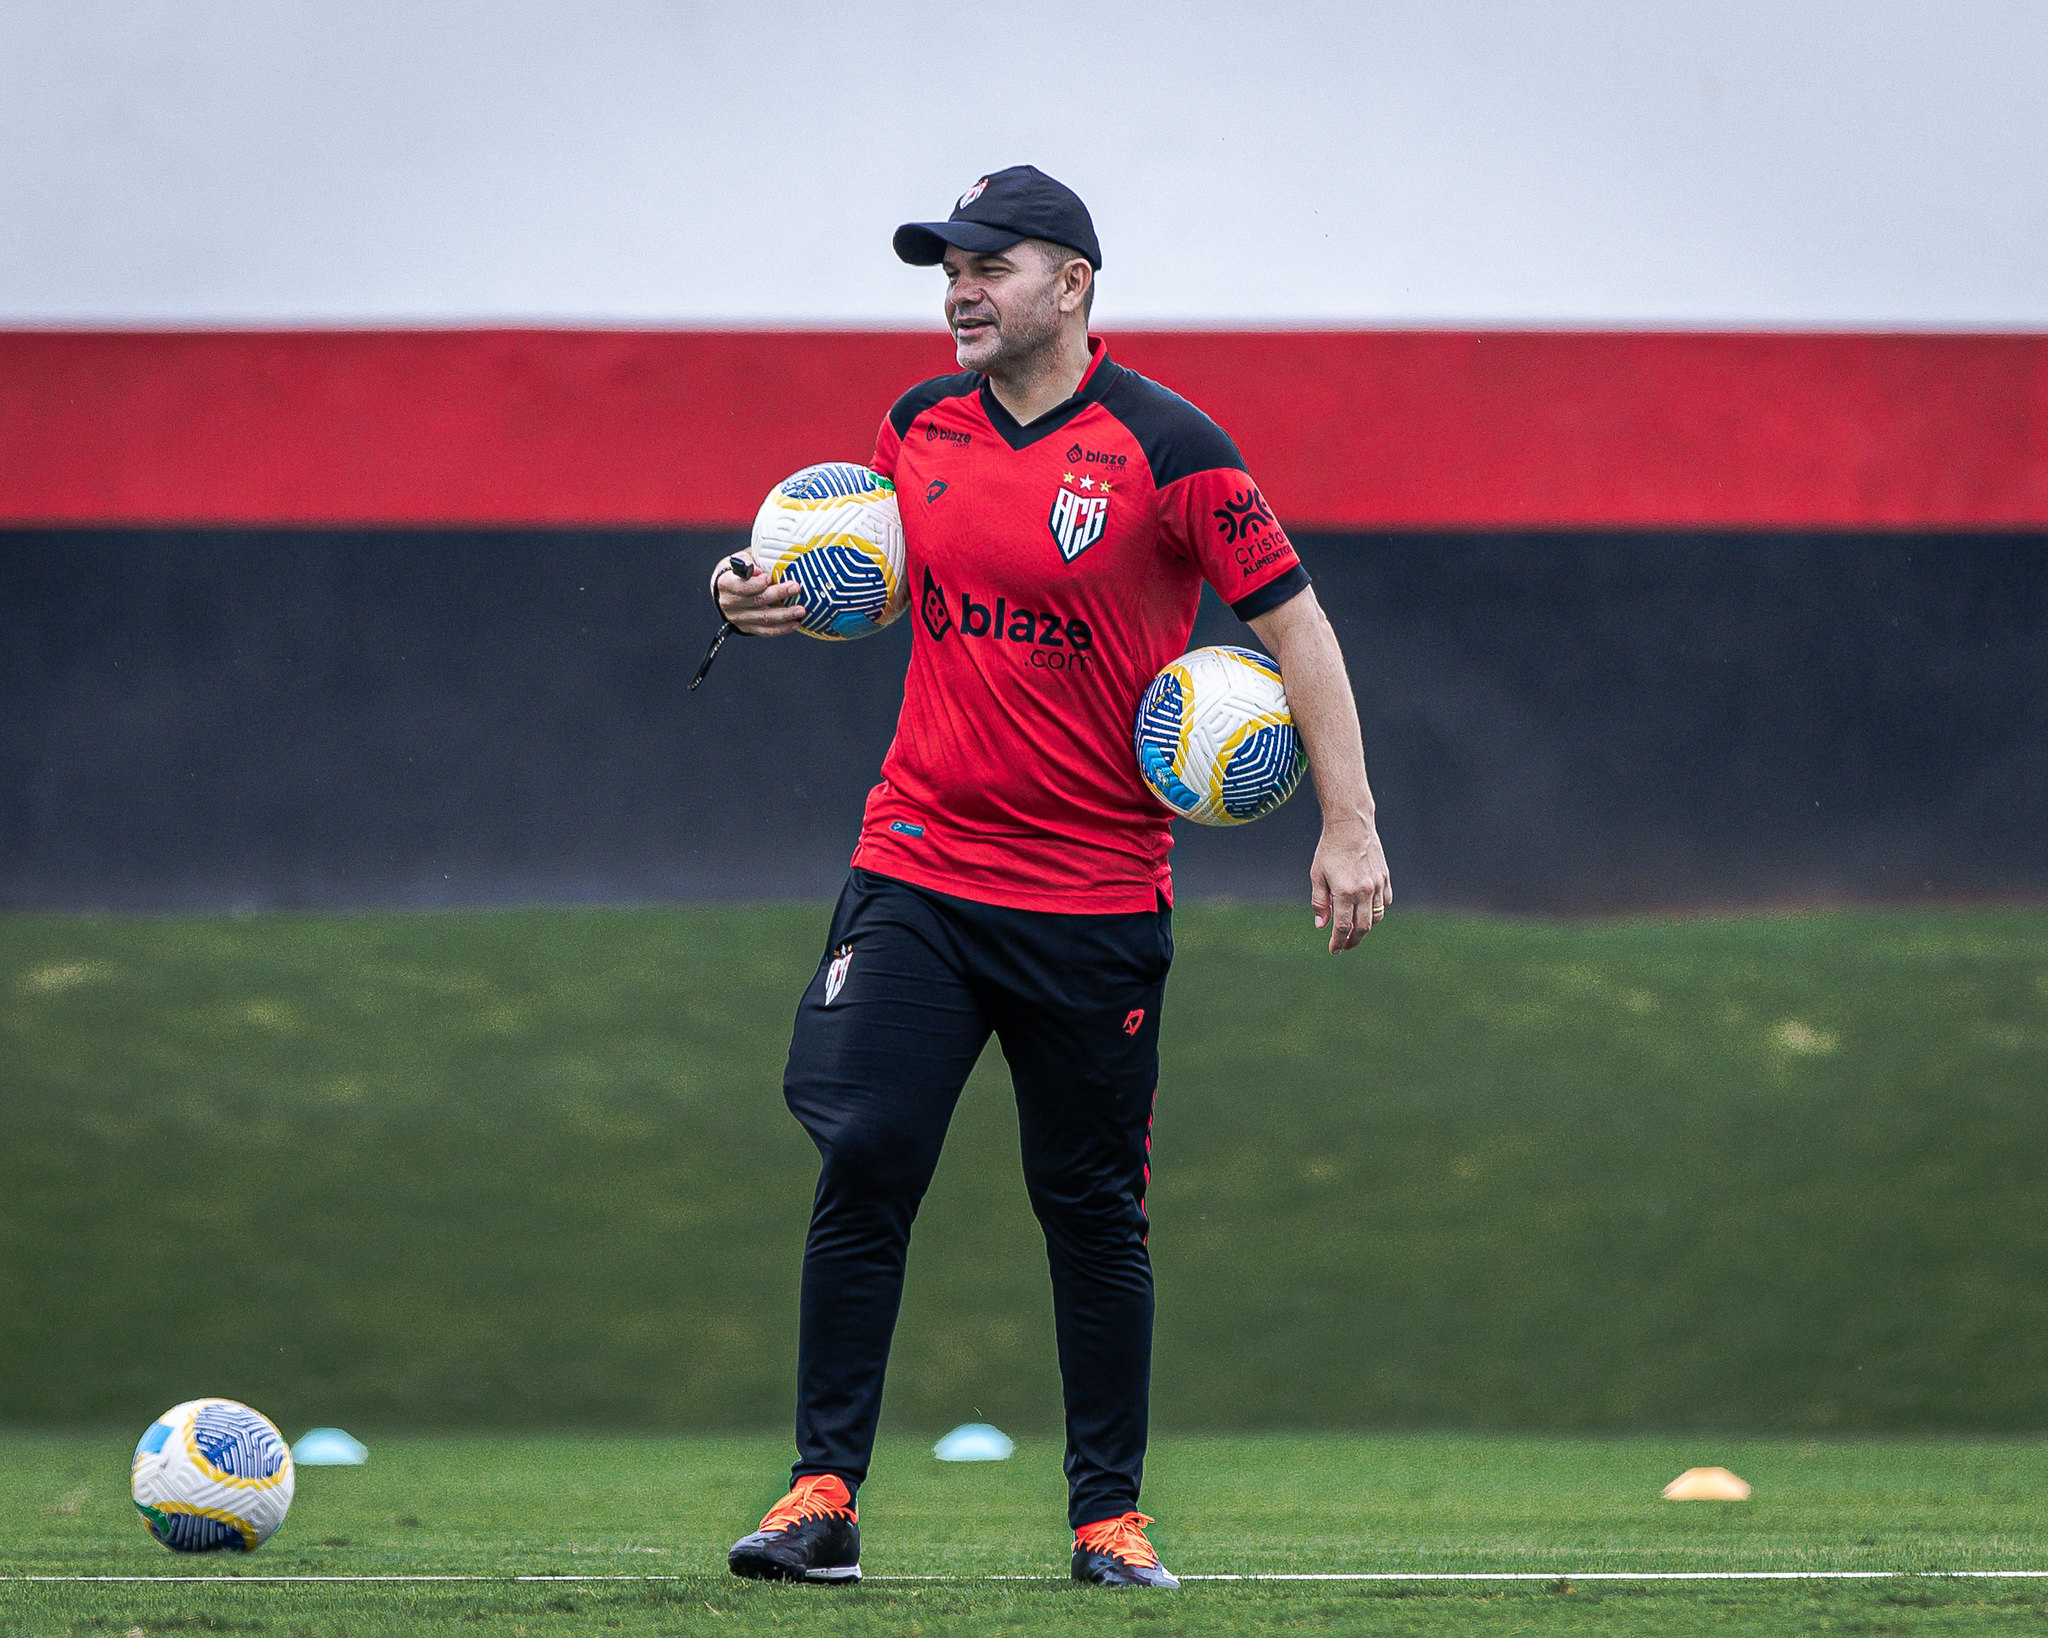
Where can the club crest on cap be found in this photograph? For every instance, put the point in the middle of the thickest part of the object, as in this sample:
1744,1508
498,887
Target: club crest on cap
971,194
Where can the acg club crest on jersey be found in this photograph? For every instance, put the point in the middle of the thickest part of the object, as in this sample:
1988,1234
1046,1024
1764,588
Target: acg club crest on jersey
1077,521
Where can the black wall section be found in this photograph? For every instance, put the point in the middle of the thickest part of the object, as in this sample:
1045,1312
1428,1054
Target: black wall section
1572,722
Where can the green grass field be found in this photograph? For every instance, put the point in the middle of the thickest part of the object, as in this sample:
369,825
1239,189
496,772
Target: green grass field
598,1507
532,1170
1786,1178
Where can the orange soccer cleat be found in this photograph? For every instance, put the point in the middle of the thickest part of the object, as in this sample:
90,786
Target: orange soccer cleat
812,1534
1115,1553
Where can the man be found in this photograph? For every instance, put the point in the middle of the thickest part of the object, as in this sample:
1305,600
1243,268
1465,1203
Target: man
1060,514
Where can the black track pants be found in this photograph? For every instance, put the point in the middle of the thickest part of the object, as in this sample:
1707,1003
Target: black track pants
911,984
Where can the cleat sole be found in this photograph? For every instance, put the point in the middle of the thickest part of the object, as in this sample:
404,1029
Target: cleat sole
1100,1570
758,1567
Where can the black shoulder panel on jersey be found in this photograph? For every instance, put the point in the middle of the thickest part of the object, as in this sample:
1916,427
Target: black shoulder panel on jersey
1178,439
927,393
1271,595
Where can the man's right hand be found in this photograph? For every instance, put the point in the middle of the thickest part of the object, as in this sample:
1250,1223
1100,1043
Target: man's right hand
758,606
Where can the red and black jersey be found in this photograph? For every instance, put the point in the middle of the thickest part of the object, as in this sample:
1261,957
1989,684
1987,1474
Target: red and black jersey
1054,568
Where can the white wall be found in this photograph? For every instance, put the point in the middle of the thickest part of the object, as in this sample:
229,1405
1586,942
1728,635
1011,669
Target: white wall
1836,163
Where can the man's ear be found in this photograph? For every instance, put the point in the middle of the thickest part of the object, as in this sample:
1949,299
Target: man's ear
1078,275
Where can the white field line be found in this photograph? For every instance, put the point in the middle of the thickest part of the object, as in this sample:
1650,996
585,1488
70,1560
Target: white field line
1364,1575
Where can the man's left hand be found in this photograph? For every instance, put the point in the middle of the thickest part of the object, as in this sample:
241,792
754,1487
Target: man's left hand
1348,882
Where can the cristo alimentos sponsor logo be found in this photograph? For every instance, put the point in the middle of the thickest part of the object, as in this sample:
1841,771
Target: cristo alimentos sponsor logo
1044,639
1260,554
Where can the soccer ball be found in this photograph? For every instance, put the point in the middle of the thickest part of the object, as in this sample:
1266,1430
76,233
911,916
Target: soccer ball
212,1474
1216,742
835,531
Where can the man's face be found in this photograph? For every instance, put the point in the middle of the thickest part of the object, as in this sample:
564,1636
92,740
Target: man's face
1001,307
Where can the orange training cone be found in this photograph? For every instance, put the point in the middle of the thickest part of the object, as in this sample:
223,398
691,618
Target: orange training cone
1706,1484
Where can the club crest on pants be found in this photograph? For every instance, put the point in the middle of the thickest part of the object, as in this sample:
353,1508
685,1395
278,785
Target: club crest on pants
835,973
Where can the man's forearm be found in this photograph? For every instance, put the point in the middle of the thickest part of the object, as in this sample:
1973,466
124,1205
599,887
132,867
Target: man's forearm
1325,714
1349,887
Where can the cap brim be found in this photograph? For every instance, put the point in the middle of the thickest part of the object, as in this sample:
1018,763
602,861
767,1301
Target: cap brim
923,244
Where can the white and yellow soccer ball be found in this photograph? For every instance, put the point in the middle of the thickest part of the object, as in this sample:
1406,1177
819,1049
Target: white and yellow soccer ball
1216,742
834,530
212,1474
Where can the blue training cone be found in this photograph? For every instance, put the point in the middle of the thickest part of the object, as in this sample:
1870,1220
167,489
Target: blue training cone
975,1442
330,1447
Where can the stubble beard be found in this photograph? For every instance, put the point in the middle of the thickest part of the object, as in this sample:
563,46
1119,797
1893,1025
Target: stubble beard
1025,341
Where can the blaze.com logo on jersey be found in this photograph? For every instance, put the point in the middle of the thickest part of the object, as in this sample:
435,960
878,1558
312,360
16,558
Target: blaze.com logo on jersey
1051,641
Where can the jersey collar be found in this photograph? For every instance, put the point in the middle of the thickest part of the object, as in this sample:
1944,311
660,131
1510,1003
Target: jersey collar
1095,381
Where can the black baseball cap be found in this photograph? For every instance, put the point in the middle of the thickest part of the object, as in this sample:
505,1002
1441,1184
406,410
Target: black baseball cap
1003,207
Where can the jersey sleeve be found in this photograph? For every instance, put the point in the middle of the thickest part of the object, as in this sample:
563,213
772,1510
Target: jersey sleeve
1218,518
896,424
888,445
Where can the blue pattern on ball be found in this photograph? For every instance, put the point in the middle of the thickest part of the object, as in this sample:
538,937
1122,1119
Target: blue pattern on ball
194,1533
1262,772
237,1441
835,480
845,592
1158,742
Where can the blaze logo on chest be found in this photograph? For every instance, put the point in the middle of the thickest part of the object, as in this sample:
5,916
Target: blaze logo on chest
1077,521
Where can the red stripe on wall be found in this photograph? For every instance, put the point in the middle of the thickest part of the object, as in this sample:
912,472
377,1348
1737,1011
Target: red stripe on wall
1345,430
